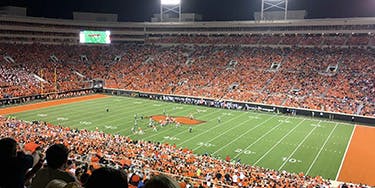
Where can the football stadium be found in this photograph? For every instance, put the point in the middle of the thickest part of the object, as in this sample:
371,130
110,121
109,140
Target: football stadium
278,101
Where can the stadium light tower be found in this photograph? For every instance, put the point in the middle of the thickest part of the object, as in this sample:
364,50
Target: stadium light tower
281,5
170,6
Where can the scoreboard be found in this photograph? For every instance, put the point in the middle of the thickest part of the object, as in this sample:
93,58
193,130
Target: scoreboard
95,37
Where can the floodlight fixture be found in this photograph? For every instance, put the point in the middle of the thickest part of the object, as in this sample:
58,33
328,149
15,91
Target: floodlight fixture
267,5
170,2
170,7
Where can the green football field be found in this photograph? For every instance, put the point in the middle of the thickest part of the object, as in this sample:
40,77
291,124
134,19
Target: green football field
295,144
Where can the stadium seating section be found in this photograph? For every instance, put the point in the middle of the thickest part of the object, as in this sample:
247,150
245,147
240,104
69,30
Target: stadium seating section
305,71
337,78
145,159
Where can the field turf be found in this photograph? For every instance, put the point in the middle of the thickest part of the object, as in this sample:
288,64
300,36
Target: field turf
295,144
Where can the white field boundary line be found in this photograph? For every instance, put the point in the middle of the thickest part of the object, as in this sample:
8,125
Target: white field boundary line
295,150
220,135
321,149
219,125
346,151
277,143
172,128
256,141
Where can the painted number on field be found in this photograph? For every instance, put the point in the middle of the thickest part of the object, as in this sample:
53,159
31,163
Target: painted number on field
284,121
85,123
171,138
291,160
200,110
62,119
247,152
205,144
227,114
316,125
110,127
42,115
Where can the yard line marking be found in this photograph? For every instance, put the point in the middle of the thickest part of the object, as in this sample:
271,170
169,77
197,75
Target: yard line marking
67,107
346,150
108,117
277,143
220,125
256,141
218,136
321,149
295,150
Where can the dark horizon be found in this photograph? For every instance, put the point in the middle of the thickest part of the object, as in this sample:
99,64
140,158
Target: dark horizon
211,10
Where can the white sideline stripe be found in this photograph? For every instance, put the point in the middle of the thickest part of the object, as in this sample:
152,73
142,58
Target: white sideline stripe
346,151
220,135
295,150
321,149
256,141
277,143
191,138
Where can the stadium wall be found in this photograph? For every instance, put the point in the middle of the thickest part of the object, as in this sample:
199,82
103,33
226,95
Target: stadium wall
45,96
239,105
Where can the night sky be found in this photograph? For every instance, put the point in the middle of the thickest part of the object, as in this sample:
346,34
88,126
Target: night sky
142,10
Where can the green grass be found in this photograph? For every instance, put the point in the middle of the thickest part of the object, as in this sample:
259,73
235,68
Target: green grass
295,144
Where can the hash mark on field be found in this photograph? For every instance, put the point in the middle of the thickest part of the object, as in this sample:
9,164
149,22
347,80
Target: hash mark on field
42,115
316,157
279,142
299,145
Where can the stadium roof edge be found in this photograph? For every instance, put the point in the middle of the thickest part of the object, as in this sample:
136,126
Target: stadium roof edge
326,21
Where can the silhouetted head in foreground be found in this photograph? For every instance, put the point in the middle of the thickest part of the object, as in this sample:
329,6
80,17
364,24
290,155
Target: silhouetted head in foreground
107,177
162,181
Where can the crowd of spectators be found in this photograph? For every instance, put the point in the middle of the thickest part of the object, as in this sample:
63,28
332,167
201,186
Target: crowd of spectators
268,39
330,79
87,158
